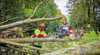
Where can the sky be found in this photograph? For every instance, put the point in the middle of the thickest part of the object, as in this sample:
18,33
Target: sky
61,5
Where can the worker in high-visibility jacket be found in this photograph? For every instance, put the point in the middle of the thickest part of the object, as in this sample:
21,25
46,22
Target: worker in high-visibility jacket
39,33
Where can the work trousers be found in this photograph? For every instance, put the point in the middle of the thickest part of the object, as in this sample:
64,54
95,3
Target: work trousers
38,51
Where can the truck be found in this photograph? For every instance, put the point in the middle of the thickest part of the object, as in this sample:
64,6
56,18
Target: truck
64,30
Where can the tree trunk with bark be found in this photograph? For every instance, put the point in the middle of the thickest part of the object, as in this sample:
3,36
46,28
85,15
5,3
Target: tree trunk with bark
31,40
3,27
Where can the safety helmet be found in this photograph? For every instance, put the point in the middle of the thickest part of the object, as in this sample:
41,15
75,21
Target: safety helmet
42,25
64,23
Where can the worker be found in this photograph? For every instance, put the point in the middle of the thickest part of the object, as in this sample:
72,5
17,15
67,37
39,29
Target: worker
81,33
76,32
71,35
39,33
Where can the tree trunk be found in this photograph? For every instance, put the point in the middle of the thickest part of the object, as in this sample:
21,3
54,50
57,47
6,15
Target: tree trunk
31,40
26,22
22,45
95,26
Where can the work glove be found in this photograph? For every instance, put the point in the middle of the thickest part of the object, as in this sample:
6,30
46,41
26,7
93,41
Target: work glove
45,36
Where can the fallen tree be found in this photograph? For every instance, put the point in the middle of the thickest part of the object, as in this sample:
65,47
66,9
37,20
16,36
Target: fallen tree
30,40
3,27
22,45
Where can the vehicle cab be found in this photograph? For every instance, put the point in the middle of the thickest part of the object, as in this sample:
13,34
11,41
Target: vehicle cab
63,31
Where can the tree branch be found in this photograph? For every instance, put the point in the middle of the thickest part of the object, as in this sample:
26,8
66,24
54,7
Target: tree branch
36,9
45,14
22,45
26,22
20,50
9,19
38,6
31,40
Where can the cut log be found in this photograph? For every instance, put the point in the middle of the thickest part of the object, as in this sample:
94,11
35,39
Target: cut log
26,22
30,40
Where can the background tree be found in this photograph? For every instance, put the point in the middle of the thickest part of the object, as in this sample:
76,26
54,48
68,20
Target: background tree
84,14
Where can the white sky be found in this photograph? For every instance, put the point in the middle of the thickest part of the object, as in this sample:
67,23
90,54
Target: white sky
61,5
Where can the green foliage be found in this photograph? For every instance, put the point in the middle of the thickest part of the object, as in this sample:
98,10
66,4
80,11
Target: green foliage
87,43
78,16
25,8
83,14
92,34
28,12
90,37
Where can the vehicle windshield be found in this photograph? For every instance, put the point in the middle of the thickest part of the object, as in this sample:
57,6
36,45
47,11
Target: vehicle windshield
64,29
